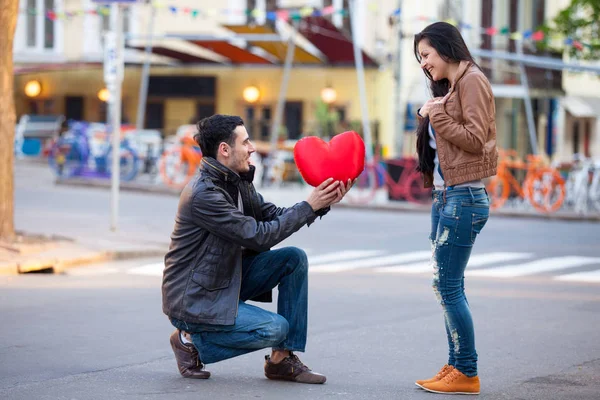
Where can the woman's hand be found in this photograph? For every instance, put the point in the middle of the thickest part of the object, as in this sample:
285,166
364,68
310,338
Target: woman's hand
424,111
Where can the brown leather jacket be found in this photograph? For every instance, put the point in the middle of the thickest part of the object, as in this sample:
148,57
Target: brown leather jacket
465,128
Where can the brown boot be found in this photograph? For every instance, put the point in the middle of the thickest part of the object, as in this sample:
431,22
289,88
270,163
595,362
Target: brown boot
186,355
291,369
446,369
454,383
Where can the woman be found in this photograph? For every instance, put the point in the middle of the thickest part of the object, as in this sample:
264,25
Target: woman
456,146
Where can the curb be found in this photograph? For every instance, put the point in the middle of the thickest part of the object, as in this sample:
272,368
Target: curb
138,187
495,213
56,265
106,184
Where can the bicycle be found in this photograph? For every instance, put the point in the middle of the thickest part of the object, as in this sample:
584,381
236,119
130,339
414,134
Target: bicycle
73,155
179,163
407,186
583,185
543,187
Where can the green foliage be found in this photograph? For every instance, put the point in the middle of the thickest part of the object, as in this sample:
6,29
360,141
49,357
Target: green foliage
579,21
326,118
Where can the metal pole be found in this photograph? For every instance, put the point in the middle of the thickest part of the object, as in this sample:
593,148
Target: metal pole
282,93
525,84
143,95
362,88
116,25
398,104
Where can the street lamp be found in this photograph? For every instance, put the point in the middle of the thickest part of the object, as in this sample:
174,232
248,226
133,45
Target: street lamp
251,94
103,95
33,88
328,95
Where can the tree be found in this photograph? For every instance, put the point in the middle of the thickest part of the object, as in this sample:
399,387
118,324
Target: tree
8,22
580,22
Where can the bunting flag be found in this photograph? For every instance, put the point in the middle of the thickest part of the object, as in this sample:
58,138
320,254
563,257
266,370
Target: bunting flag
299,13
517,35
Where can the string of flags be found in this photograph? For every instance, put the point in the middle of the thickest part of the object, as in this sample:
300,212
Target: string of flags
527,34
298,14
285,14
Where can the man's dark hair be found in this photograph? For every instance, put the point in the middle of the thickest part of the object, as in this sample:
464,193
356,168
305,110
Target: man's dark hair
214,130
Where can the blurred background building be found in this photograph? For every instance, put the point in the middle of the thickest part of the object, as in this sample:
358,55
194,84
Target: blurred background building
59,53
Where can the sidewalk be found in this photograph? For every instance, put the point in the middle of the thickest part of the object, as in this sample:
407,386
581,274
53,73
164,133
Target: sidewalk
66,223
291,193
39,253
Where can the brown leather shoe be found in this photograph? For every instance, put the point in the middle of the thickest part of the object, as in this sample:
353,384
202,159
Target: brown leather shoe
446,369
291,369
187,358
454,383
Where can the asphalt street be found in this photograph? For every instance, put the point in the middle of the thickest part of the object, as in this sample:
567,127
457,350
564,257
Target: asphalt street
97,332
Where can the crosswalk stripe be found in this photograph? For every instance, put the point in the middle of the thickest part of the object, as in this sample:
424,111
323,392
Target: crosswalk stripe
371,262
148,269
586,276
342,255
534,267
476,260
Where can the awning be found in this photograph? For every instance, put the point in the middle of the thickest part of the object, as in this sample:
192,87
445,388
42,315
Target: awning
185,58
581,107
277,49
236,54
333,43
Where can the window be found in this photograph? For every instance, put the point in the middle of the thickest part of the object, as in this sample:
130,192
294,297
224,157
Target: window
105,23
31,24
40,31
48,26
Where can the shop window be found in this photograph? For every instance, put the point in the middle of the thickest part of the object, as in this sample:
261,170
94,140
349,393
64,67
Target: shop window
586,138
576,137
204,110
74,108
257,120
293,119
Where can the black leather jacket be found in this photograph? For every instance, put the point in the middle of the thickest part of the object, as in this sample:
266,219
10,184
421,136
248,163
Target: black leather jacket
203,267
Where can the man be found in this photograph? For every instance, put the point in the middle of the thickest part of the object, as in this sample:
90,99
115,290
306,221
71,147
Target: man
220,257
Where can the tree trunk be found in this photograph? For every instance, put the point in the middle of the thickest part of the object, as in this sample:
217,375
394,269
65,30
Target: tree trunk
8,22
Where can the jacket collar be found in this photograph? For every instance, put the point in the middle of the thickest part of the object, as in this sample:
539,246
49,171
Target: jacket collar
216,170
463,67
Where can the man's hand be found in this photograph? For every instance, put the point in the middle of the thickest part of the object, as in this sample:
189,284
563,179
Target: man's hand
324,194
342,190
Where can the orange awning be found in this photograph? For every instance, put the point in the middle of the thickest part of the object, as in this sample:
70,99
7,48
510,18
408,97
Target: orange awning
236,54
277,49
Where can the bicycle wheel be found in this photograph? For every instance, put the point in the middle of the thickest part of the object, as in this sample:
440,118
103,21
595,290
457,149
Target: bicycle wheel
65,158
498,190
415,192
546,190
128,164
174,170
365,188
594,192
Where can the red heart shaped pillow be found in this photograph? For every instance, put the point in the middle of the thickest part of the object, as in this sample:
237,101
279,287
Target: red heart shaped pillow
342,158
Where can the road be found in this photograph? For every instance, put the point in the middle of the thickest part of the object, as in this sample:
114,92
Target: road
97,332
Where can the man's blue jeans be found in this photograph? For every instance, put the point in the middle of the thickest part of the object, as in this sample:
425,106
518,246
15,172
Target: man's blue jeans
256,328
457,217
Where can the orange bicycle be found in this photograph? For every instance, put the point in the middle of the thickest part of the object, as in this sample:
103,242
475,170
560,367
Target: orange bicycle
543,187
179,164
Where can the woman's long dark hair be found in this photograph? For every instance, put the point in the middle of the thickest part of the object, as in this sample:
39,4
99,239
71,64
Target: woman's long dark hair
451,47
